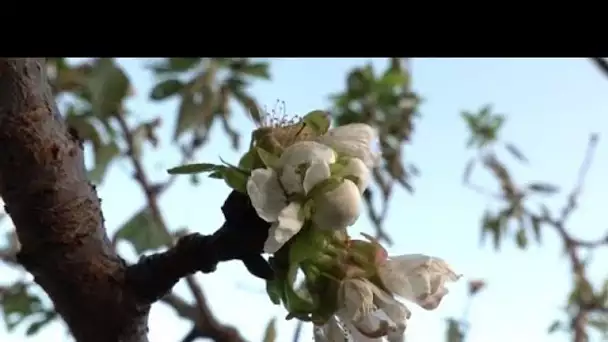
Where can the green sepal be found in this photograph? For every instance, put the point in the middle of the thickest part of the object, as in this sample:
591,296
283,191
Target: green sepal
318,121
194,168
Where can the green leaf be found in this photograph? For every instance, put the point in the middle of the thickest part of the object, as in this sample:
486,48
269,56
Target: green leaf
516,152
300,250
270,334
467,171
392,78
536,225
247,102
555,326
194,168
83,125
318,121
189,114
176,64
235,179
246,162
269,159
18,304
293,302
543,188
259,69
104,155
219,174
274,289
46,318
454,332
521,239
166,89
142,232
108,86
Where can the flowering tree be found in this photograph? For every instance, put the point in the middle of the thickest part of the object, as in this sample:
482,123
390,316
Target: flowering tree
301,183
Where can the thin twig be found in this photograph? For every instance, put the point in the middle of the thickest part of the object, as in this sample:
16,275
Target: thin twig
206,320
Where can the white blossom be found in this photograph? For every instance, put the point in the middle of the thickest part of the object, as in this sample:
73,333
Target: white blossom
368,313
270,203
296,159
418,278
356,168
354,140
338,208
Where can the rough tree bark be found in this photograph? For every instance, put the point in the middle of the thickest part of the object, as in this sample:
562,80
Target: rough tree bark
60,225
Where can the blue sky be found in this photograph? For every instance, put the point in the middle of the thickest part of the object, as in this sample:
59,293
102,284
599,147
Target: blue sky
552,105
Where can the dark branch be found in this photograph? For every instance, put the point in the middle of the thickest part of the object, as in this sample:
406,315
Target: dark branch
154,275
57,213
601,63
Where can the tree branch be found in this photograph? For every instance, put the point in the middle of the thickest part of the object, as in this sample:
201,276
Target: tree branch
165,269
60,225
57,213
601,63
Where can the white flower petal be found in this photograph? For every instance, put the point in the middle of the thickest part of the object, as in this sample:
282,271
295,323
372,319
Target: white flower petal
266,194
354,140
291,179
306,152
367,324
418,278
357,299
301,153
339,208
332,331
316,173
287,225
395,311
356,167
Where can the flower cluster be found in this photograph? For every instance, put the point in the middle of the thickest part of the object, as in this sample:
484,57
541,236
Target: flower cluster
307,181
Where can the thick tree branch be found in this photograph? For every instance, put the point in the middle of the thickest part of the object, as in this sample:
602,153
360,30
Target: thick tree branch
60,226
57,213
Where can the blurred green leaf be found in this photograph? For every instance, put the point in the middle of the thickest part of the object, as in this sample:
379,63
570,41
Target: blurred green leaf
318,121
194,168
142,232
83,125
521,239
274,289
247,102
189,114
18,304
165,89
454,332
467,171
104,155
516,152
600,323
392,78
108,86
176,64
270,334
555,326
256,69
46,318
491,225
536,226
543,188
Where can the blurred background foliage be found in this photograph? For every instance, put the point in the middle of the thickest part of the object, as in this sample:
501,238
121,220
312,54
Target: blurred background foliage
95,92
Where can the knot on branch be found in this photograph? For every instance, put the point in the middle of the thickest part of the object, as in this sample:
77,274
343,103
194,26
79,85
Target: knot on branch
154,275
241,237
